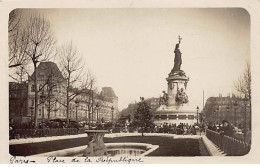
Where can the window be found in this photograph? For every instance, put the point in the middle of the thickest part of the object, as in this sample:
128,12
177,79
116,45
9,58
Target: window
190,117
32,88
172,116
182,116
163,116
157,117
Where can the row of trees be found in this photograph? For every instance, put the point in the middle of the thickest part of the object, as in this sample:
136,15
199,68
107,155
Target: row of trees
243,85
31,41
243,89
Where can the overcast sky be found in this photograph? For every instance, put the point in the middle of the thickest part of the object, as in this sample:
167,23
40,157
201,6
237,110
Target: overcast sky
131,50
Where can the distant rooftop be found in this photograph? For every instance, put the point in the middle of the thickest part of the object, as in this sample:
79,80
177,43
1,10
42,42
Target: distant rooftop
108,92
49,68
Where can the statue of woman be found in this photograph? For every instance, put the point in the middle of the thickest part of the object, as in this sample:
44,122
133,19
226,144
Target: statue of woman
177,58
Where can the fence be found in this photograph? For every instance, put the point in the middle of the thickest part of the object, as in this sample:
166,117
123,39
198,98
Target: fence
25,133
230,145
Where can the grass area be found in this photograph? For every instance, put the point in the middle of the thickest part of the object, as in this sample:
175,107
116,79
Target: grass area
167,145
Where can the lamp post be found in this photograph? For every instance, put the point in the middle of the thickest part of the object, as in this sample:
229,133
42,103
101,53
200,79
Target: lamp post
217,112
97,107
92,111
89,111
197,115
245,102
112,110
42,97
77,105
227,114
235,113
31,113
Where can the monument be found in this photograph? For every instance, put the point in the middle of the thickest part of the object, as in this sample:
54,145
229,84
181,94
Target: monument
174,106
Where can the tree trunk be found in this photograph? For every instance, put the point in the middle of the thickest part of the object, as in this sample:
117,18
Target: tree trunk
49,107
35,97
68,100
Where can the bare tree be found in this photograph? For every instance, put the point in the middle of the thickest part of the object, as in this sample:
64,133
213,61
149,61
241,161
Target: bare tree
243,88
72,67
50,86
18,40
243,84
40,47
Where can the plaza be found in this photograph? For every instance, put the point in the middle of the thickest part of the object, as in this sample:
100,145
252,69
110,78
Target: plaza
57,107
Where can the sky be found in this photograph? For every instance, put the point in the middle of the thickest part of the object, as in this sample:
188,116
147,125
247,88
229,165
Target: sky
131,50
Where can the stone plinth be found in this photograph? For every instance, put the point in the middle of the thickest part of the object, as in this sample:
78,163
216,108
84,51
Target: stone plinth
175,115
177,109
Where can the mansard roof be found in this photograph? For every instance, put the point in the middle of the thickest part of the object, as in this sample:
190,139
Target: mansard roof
108,92
47,69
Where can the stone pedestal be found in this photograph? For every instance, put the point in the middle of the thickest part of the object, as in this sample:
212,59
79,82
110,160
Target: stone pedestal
176,80
177,109
96,146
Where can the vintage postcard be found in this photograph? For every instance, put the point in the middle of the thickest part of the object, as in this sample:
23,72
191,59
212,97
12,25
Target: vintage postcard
129,82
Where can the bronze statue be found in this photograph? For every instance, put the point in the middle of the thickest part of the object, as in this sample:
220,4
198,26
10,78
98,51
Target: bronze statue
181,96
164,99
177,58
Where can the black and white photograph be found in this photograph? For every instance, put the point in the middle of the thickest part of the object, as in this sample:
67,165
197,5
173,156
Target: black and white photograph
121,85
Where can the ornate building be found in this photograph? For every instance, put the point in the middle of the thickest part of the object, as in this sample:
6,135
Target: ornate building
52,93
110,99
51,86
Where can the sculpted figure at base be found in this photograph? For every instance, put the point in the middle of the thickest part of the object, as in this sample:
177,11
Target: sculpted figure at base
96,146
181,96
164,99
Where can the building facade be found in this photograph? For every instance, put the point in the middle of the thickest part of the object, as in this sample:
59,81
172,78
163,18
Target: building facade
51,87
233,109
18,102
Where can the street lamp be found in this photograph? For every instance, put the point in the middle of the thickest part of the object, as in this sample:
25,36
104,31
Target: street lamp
89,111
31,113
227,114
217,114
97,107
112,110
197,115
42,97
245,102
235,112
77,105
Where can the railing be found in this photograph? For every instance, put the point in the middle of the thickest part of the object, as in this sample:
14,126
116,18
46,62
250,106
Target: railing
230,145
26,133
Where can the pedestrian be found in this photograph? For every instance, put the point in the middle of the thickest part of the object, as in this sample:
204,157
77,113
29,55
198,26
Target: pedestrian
227,129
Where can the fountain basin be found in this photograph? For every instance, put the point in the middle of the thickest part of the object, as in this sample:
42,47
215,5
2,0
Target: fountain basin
114,149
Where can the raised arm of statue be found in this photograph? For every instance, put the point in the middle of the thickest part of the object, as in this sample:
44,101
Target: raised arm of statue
180,39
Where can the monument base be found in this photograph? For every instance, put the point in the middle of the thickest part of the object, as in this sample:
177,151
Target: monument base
175,115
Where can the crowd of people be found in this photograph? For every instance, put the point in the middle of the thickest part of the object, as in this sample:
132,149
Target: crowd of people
180,129
225,128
